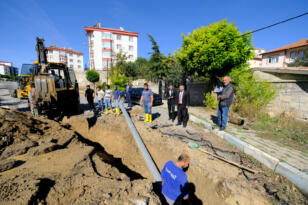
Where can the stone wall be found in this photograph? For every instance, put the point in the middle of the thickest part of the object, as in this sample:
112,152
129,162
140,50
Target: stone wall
292,96
82,80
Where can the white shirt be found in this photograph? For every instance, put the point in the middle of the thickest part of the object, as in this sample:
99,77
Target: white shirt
100,94
181,97
108,93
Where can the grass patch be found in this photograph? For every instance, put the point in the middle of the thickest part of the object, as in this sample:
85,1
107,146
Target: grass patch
284,129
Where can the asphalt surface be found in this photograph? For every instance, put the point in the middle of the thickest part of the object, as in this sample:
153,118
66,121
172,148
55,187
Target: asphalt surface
6,101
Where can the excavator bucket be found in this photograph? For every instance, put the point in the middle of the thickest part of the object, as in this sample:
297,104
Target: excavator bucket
45,89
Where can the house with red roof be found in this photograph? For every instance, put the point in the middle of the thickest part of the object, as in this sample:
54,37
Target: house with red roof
280,57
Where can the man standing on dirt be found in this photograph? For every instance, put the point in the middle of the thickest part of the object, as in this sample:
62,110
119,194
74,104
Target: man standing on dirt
183,103
107,97
116,98
89,94
147,102
100,94
171,96
174,180
225,101
128,91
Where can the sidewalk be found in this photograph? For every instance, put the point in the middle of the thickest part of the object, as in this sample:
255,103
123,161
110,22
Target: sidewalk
295,158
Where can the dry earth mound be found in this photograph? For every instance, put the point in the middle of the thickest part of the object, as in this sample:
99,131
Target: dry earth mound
44,162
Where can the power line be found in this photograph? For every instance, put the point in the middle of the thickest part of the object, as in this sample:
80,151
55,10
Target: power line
275,24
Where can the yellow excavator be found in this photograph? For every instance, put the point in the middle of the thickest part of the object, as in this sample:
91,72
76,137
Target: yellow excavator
24,80
54,88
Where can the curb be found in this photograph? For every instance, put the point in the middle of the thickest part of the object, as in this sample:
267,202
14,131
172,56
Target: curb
297,177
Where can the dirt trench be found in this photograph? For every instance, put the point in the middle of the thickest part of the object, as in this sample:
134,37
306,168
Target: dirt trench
210,181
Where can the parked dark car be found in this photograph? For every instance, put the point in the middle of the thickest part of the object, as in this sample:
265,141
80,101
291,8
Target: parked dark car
136,96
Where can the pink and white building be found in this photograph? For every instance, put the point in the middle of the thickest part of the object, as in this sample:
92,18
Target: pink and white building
73,59
280,57
257,59
105,43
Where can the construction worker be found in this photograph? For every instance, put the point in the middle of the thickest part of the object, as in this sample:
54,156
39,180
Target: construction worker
100,93
147,102
116,99
89,94
128,91
107,99
174,186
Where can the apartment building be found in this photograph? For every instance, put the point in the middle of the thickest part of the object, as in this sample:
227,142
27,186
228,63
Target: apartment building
257,59
73,59
280,57
7,68
105,43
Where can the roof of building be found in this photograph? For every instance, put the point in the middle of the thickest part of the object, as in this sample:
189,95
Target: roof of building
259,48
300,43
111,30
67,50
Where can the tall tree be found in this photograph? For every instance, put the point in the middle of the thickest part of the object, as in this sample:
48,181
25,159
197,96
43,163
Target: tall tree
214,50
156,62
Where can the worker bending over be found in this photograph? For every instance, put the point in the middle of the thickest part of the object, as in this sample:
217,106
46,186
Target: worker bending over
147,102
175,180
116,98
107,97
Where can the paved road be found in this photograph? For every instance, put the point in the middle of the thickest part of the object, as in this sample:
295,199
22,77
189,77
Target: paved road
9,102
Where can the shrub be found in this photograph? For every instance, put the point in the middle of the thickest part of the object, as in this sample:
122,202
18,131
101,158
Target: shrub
92,76
252,95
211,100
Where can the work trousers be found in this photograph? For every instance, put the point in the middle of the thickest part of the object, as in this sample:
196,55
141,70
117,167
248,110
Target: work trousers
107,103
222,115
129,102
171,108
100,104
147,108
91,103
116,103
182,114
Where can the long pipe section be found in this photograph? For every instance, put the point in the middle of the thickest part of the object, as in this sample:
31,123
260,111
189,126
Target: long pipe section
146,156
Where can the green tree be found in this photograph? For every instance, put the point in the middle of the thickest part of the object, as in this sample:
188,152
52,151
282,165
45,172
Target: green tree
300,61
173,70
117,72
156,62
92,76
214,50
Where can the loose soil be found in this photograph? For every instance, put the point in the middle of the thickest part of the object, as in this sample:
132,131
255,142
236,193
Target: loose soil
88,159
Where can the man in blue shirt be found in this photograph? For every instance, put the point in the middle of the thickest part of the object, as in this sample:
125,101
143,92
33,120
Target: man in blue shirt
174,180
116,98
147,102
128,91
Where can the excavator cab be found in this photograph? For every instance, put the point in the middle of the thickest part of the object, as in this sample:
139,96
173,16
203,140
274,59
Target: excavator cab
54,88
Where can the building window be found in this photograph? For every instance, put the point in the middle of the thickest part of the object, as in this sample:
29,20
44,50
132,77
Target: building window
71,66
118,46
292,55
62,59
301,54
50,51
119,37
71,54
78,61
131,39
107,35
79,66
71,60
106,64
107,45
131,48
106,54
131,57
273,59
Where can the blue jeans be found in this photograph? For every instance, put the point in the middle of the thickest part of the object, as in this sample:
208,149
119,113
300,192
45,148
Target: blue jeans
147,108
100,104
107,103
116,103
222,114
129,102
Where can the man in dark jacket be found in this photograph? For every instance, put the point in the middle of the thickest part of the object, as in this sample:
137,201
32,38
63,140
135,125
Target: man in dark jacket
183,101
89,94
225,101
171,96
128,91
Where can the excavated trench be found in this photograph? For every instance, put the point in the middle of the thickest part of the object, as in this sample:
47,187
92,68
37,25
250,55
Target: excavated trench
210,181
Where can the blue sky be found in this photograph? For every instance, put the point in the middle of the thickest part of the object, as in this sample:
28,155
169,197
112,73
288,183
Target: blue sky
62,22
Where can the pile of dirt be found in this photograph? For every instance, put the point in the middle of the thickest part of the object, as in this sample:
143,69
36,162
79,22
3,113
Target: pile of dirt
44,162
